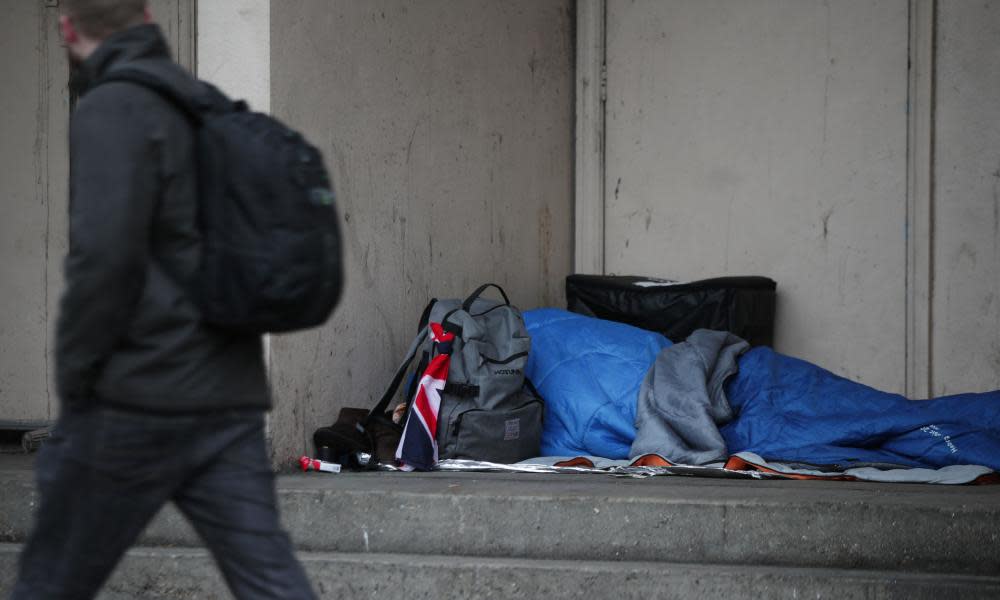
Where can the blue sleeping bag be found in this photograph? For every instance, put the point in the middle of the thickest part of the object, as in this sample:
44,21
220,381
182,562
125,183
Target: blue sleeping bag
589,372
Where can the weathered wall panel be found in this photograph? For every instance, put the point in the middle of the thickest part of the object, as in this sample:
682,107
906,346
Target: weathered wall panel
34,114
448,127
966,298
768,138
178,20
234,49
34,119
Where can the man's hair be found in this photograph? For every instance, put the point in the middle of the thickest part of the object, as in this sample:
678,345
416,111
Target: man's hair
100,18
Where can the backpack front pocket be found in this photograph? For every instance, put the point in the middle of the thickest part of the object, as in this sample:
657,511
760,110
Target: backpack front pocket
499,435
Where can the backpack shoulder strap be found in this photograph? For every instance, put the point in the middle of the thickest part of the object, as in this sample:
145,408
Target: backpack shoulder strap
383,403
397,378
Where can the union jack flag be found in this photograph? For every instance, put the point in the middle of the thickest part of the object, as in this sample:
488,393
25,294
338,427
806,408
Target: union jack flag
418,450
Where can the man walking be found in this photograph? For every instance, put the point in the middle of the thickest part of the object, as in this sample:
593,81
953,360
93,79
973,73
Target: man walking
156,406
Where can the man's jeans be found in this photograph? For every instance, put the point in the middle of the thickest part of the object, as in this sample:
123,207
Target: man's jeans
103,474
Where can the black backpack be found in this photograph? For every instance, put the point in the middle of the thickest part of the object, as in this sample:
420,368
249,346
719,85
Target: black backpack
271,253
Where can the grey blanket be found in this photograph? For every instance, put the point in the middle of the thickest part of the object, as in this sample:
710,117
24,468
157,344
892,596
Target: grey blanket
682,401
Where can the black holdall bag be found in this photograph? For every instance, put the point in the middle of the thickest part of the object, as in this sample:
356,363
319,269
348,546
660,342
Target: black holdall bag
743,306
489,411
271,253
359,439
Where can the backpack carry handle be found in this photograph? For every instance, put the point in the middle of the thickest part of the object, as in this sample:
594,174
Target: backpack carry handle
472,297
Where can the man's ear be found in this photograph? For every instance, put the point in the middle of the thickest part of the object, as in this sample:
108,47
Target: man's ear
147,15
68,30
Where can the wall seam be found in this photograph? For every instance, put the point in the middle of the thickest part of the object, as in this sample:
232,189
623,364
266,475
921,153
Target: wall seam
908,296
931,182
604,140
589,164
919,172
43,162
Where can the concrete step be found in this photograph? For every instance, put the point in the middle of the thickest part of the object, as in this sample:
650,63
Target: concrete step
838,525
183,574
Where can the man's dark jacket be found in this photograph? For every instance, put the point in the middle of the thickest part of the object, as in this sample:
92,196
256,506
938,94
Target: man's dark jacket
128,334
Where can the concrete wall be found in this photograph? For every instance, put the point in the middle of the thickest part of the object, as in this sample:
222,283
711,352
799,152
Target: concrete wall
768,138
234,49
33,157
965,308
759,136
178,20
773,137
448,129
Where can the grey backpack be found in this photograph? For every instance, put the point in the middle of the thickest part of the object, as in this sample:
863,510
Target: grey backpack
488,410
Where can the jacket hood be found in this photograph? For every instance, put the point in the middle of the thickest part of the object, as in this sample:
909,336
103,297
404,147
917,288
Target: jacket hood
135,43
